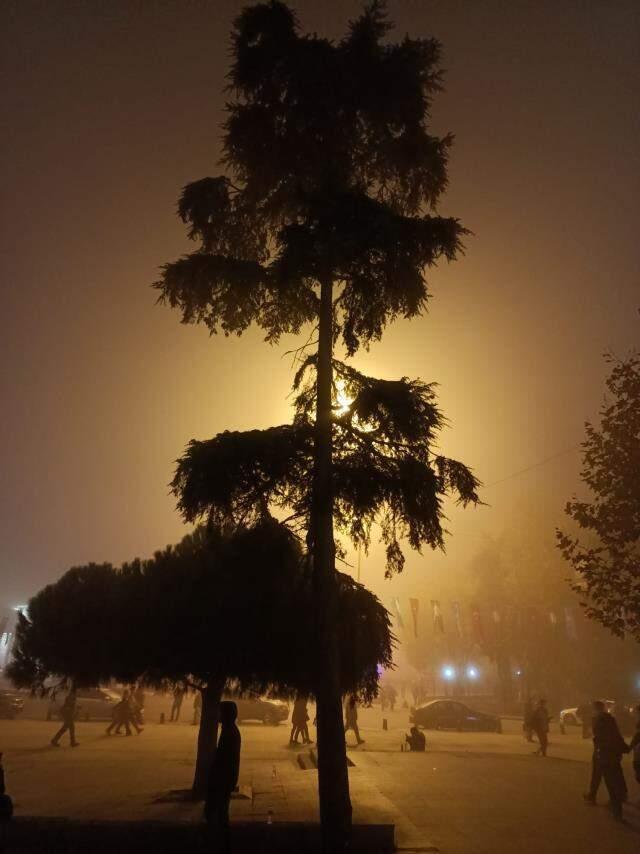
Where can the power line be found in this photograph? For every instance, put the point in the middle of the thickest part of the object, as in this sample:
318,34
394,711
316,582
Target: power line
533,466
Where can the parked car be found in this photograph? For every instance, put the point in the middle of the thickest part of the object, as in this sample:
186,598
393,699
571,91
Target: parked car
11,704
93,704
450,714
270,712
572,716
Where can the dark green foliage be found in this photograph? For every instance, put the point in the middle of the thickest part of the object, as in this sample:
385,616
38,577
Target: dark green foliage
384,466
331,173
69,631
607,562
218,606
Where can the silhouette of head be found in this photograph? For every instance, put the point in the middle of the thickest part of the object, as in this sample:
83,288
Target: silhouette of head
598,706
228,712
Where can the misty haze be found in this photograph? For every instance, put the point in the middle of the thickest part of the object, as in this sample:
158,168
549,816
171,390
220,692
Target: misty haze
321,427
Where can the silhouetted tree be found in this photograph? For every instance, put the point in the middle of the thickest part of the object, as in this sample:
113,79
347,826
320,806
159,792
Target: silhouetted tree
325,216
607,562
219,609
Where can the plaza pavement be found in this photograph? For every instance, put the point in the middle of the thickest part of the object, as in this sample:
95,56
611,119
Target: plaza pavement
470,793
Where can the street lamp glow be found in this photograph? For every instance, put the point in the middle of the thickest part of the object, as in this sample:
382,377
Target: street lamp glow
472,672
449,673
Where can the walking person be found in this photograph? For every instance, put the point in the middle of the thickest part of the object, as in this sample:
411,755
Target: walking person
540,725
299,719
351,719
119,716
131,715
609,746
68,712
178,697
223,777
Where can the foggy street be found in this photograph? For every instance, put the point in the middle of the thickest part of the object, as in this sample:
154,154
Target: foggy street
321,427
471,793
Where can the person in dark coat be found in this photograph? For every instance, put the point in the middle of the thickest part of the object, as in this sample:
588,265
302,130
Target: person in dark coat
635,746
299,719
223,776
609,746
6,804
540,725
176,706
68,712
416,740
351,719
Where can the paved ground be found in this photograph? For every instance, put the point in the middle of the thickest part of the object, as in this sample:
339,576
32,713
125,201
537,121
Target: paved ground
469,794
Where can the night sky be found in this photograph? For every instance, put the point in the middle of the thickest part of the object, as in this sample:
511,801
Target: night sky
109,108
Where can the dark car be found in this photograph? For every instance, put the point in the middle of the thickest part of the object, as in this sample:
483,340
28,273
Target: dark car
270,712
11,704
450,714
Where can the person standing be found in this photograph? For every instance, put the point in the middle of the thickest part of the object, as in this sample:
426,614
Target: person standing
197,708
635,746
139,699
540,725
223,777
392,696
609,746
351,719
68,713
584,714
178,697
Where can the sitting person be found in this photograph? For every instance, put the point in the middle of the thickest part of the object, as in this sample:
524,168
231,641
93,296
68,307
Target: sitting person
416,740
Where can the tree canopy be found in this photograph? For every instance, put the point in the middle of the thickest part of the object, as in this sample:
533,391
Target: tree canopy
218,606
384,465
606,559
332,171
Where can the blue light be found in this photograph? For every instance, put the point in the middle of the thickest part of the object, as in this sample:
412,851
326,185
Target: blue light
449,673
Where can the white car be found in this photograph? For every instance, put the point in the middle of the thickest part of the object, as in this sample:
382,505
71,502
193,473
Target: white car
571,717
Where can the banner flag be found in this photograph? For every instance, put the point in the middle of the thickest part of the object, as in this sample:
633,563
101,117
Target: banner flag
415,604
438,622
396,605
553,619
497,619
457,618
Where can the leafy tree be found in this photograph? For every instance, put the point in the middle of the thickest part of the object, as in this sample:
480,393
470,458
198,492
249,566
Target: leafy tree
607,561
219,610
326,215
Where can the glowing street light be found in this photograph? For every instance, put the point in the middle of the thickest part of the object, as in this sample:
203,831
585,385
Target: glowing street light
449,673
472,672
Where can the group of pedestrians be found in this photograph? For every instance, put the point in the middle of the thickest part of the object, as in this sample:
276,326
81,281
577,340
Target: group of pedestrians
609,747
129,712
300,721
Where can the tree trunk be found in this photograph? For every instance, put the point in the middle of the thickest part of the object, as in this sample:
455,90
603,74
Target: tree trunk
333,780
207,736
